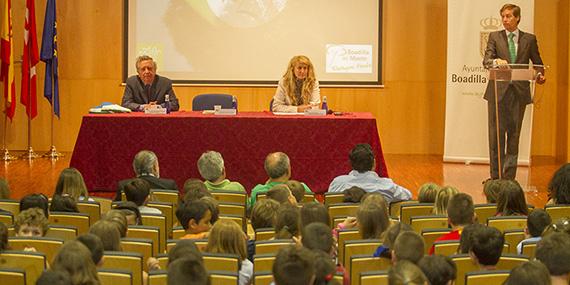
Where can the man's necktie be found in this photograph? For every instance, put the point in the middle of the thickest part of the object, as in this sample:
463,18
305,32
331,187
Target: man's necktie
512,48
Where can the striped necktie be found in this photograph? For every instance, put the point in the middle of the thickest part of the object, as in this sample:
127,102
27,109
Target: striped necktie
512,48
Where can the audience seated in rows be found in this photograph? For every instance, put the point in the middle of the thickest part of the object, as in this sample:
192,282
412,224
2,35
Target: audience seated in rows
35,201
486,247
408,246
75,259
145,166
31,223
559,186
460,213
63,203
529,273
554,252
427,192
70,183
536,222
363,176
511,200
439,269
353,194
392,233
278,168
212,169
195,217
137,191
287,222
282,194
406,273
442,198
294,266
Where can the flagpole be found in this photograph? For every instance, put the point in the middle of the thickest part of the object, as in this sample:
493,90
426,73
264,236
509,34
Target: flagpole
53,153
6,156
30,154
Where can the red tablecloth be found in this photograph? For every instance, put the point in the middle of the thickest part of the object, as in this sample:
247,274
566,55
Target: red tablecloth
317,146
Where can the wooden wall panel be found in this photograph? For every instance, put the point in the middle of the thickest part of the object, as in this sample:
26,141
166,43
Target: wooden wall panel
410,109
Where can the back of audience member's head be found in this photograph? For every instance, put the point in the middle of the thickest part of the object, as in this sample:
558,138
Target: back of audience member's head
393,232
406,273
211,165
195,210
54,277
529,273
186,269
294,266
465,239
3,237
442,199
559,186
4,189
491,189
287,222
263,213
194,189
537,221
460,210
61,203
511,200
281,194
324,268
408,246
277,165
372,220
427,192
213,206
184,248
353,194
31,223
109,234
562,225
554,252
137,191
145,162
297,190
487,245
318,236
119,219
35,201
439,269
314,212
71,183
95,245
227,237
75,259
362,158
131,211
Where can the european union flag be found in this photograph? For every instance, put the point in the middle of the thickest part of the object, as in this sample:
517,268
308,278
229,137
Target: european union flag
48,55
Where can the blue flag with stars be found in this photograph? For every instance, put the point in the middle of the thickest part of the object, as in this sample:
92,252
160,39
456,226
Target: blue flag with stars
48,55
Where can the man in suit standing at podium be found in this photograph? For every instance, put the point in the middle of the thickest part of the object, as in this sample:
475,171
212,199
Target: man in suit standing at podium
508,46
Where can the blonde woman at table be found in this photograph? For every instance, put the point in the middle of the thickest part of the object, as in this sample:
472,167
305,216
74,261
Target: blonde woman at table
298,89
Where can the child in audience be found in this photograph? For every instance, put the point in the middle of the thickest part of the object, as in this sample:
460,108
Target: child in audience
228,237
137,191
182,270
427,192
293,266
194,189
195,218
465,240
95,245
318,238
492,188
119,219
184,248
71,183
554,252
536,222
35,201
314,212
282,194
406,273
31,223
559,186
132,213
371,217
460,213
262,216
52,277
4,189
439,269
324,269
529,273
390,237
442,200
214,207
408,246
287,222
511,200
75,259
62,203
297,190
486,247
109,234
353,194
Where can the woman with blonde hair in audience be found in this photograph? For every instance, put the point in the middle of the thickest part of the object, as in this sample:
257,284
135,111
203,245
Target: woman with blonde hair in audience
511,201
298,89
372,217
427,192
71,183
75,259
442,199
228,237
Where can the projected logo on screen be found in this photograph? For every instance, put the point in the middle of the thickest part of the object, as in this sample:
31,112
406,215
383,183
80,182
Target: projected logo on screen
349,58
246,13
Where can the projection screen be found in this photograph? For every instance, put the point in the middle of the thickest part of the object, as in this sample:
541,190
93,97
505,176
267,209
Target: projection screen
250,42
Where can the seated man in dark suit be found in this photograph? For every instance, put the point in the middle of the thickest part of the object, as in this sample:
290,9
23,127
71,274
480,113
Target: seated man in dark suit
146,167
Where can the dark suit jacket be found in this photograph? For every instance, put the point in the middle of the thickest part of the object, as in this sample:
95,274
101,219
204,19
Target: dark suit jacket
136,95
155,183
498,47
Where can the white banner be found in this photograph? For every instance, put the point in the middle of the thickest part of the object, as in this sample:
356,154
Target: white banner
468,26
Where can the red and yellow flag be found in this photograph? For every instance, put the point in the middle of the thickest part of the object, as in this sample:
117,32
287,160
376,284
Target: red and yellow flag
30,59
7,57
